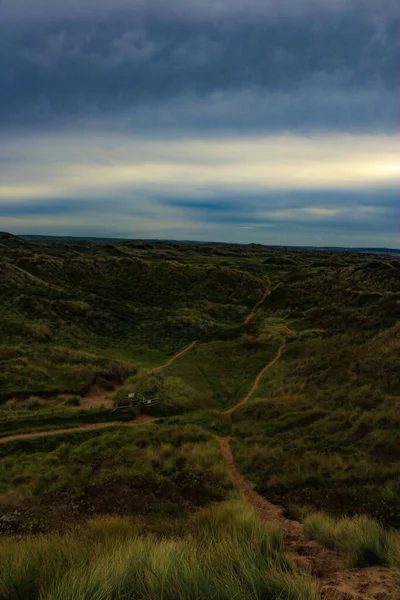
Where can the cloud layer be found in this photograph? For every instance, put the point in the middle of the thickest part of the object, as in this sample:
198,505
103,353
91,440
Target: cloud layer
256,121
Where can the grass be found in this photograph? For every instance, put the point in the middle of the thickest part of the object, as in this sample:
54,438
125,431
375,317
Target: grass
47,444
213,375
71,311
111,301
146,470
210,420
321,430
110,560
314,434
48,420
237,520
146,357
362,542
36,370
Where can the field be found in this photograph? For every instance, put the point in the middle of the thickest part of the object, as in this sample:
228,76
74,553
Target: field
254,365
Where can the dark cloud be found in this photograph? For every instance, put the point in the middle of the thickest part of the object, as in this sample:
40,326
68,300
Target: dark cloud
23,11
63,68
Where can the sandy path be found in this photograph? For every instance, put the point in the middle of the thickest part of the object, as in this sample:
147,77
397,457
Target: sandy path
173,358
259,303
374,583
256,381
140,420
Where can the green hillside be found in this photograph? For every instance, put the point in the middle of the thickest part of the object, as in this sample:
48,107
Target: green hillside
86,325
123,302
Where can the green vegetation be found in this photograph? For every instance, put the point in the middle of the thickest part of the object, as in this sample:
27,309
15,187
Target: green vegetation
109,559
127,301
152,507
47,420
322,429
210,420
147,470
26,371
212,375
361,541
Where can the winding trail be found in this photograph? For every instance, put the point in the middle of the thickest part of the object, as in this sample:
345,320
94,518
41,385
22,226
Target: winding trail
140,420
259,303
173,358
256,381
97,397
335,582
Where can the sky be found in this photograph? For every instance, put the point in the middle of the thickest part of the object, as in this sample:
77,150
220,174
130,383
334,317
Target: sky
220,120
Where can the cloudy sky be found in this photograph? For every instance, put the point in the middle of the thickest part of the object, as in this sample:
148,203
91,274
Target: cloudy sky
257,121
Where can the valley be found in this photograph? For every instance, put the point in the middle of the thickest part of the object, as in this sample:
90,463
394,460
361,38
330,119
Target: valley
276,373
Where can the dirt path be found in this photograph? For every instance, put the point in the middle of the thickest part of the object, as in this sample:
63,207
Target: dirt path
256,381
173,358
140,420
374,583
259,303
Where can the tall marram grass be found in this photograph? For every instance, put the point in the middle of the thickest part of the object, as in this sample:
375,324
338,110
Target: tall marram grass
110,560
361,541
236,520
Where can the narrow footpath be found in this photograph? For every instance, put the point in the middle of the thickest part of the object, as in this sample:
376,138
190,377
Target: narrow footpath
335,582
259,303
173,358
140,420
256,381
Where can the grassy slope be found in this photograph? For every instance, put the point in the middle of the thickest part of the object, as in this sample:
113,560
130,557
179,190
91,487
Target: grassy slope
35,369
229,554
32,421
214,375
323,427
120,302
161,472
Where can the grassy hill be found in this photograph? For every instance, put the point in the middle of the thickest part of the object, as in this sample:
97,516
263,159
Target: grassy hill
323,426
320,432
126,302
